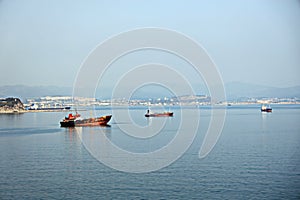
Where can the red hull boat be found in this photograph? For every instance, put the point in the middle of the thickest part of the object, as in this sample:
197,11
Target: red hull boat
72,121
164,114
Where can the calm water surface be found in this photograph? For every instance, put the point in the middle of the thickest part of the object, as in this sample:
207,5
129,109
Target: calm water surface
257,157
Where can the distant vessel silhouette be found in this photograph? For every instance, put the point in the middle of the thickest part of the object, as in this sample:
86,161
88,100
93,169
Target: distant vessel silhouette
265,108
164,114
36,107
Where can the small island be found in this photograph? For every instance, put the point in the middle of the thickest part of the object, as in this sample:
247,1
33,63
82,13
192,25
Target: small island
11,105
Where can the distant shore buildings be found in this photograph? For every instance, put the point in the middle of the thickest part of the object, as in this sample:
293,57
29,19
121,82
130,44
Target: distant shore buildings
15,105
185,100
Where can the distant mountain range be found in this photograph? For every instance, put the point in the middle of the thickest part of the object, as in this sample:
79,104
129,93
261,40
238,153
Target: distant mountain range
234,90
25,92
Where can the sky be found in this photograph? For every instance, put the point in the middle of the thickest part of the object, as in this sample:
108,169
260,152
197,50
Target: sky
45,42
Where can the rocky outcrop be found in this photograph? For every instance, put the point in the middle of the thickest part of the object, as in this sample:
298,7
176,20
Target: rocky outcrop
10,105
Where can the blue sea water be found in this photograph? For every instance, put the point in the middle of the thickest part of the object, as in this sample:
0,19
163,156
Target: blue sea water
256,157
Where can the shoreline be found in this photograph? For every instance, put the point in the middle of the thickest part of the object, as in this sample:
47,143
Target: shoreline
132,106
34,111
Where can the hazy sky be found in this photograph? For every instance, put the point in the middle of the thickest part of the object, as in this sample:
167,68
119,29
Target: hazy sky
254,41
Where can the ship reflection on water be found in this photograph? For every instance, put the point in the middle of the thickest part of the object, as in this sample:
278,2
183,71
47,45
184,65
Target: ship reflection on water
78,133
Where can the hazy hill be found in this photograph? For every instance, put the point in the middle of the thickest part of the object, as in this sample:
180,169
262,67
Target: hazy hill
24,92
234,90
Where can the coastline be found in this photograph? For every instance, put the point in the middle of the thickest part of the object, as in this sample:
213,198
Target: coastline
16,111
34,111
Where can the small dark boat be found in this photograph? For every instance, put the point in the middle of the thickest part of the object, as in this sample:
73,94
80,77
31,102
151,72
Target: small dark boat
266,108
75,121
164,114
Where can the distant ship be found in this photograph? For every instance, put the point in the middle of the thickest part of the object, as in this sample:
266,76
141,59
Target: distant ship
75,120
265,108
164,114
36,107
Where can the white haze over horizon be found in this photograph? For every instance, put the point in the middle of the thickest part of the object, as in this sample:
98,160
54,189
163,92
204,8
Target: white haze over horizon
253,41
